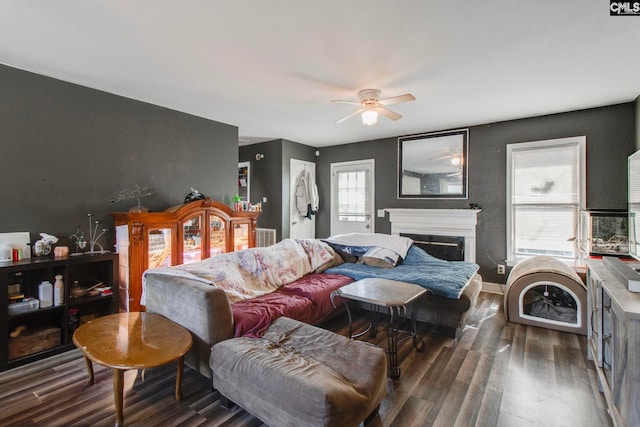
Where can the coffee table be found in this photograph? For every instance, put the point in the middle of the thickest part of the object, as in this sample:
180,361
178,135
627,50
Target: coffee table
126,341
393,295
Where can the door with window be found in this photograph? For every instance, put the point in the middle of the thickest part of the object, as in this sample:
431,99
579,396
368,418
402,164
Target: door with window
352,197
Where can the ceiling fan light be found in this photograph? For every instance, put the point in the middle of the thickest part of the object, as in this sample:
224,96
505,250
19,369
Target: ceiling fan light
369,117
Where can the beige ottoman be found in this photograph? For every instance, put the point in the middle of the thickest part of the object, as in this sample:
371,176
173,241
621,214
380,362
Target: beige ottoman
301,375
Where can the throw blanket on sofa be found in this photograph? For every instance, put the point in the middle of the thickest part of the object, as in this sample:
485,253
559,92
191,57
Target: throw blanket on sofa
445,278
253,272
308,300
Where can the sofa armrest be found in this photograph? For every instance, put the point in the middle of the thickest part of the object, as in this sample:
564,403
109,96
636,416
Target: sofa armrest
199,307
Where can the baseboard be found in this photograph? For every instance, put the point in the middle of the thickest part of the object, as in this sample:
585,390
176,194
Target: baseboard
494,288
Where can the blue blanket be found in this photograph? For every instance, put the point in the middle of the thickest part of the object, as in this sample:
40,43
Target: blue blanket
445,278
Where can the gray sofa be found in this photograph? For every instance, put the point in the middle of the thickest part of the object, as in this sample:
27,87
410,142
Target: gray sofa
206,312
446,315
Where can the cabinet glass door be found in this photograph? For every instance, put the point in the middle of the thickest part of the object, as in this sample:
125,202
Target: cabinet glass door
192,240
217,236
159,247
240,236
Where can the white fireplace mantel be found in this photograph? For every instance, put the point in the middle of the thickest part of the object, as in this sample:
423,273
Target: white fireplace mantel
438,222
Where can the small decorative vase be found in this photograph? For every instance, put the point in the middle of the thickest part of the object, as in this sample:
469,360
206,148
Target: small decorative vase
139,208
41,248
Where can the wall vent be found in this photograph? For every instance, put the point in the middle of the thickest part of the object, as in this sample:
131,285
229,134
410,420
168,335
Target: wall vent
265,237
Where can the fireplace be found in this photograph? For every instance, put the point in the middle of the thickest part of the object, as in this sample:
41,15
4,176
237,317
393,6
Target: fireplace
450,248
440,227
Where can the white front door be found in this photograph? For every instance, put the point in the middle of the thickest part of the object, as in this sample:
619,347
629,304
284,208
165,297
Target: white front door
300,227
352,197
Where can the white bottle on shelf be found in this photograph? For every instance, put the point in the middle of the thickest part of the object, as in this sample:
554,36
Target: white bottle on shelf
45,294
58,290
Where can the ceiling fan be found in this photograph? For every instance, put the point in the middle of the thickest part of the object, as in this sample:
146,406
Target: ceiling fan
371,105
455,158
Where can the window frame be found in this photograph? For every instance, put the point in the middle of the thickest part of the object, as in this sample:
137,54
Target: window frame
580,142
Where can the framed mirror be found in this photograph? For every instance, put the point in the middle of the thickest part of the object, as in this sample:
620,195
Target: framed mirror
433,165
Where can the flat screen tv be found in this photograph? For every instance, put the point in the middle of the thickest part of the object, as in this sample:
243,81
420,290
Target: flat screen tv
634,205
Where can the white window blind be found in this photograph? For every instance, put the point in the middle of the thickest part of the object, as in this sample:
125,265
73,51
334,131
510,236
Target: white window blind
545,184
634,204
352,202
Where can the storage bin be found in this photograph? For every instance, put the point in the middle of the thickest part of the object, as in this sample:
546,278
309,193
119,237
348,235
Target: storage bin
33,340
24,306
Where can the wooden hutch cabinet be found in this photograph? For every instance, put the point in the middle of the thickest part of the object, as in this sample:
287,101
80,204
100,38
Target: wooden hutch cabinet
179,235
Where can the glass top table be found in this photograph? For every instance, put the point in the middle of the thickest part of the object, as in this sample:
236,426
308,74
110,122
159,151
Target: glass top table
396,297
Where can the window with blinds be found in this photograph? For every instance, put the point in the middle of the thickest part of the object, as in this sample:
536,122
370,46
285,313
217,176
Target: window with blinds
545,193
634,204
352,203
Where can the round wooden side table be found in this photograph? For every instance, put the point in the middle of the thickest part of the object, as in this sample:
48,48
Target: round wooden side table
126,341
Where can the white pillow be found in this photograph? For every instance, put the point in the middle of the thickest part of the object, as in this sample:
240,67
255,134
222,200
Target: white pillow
380,257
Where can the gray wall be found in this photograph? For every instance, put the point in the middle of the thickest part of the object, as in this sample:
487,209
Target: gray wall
269,178
610,133
65,149
265,180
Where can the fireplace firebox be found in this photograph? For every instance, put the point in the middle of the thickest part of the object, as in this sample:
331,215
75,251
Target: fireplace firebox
445,224
450,248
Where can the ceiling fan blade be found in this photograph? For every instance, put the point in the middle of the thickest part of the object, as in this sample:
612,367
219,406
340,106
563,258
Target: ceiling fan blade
350,115
396,99
388,113
346,102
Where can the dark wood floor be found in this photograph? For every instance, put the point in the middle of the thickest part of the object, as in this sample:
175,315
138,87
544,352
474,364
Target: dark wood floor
497,374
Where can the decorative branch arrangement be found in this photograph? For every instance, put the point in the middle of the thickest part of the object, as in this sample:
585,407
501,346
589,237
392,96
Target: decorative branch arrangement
80,241
136,193
94,236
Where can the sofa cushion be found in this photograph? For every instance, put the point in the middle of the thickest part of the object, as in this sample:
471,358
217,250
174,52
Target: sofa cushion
252,317
308,299
380,257
317,288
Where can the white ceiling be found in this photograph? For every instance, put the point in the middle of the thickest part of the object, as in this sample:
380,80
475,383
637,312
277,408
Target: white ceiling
271,67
